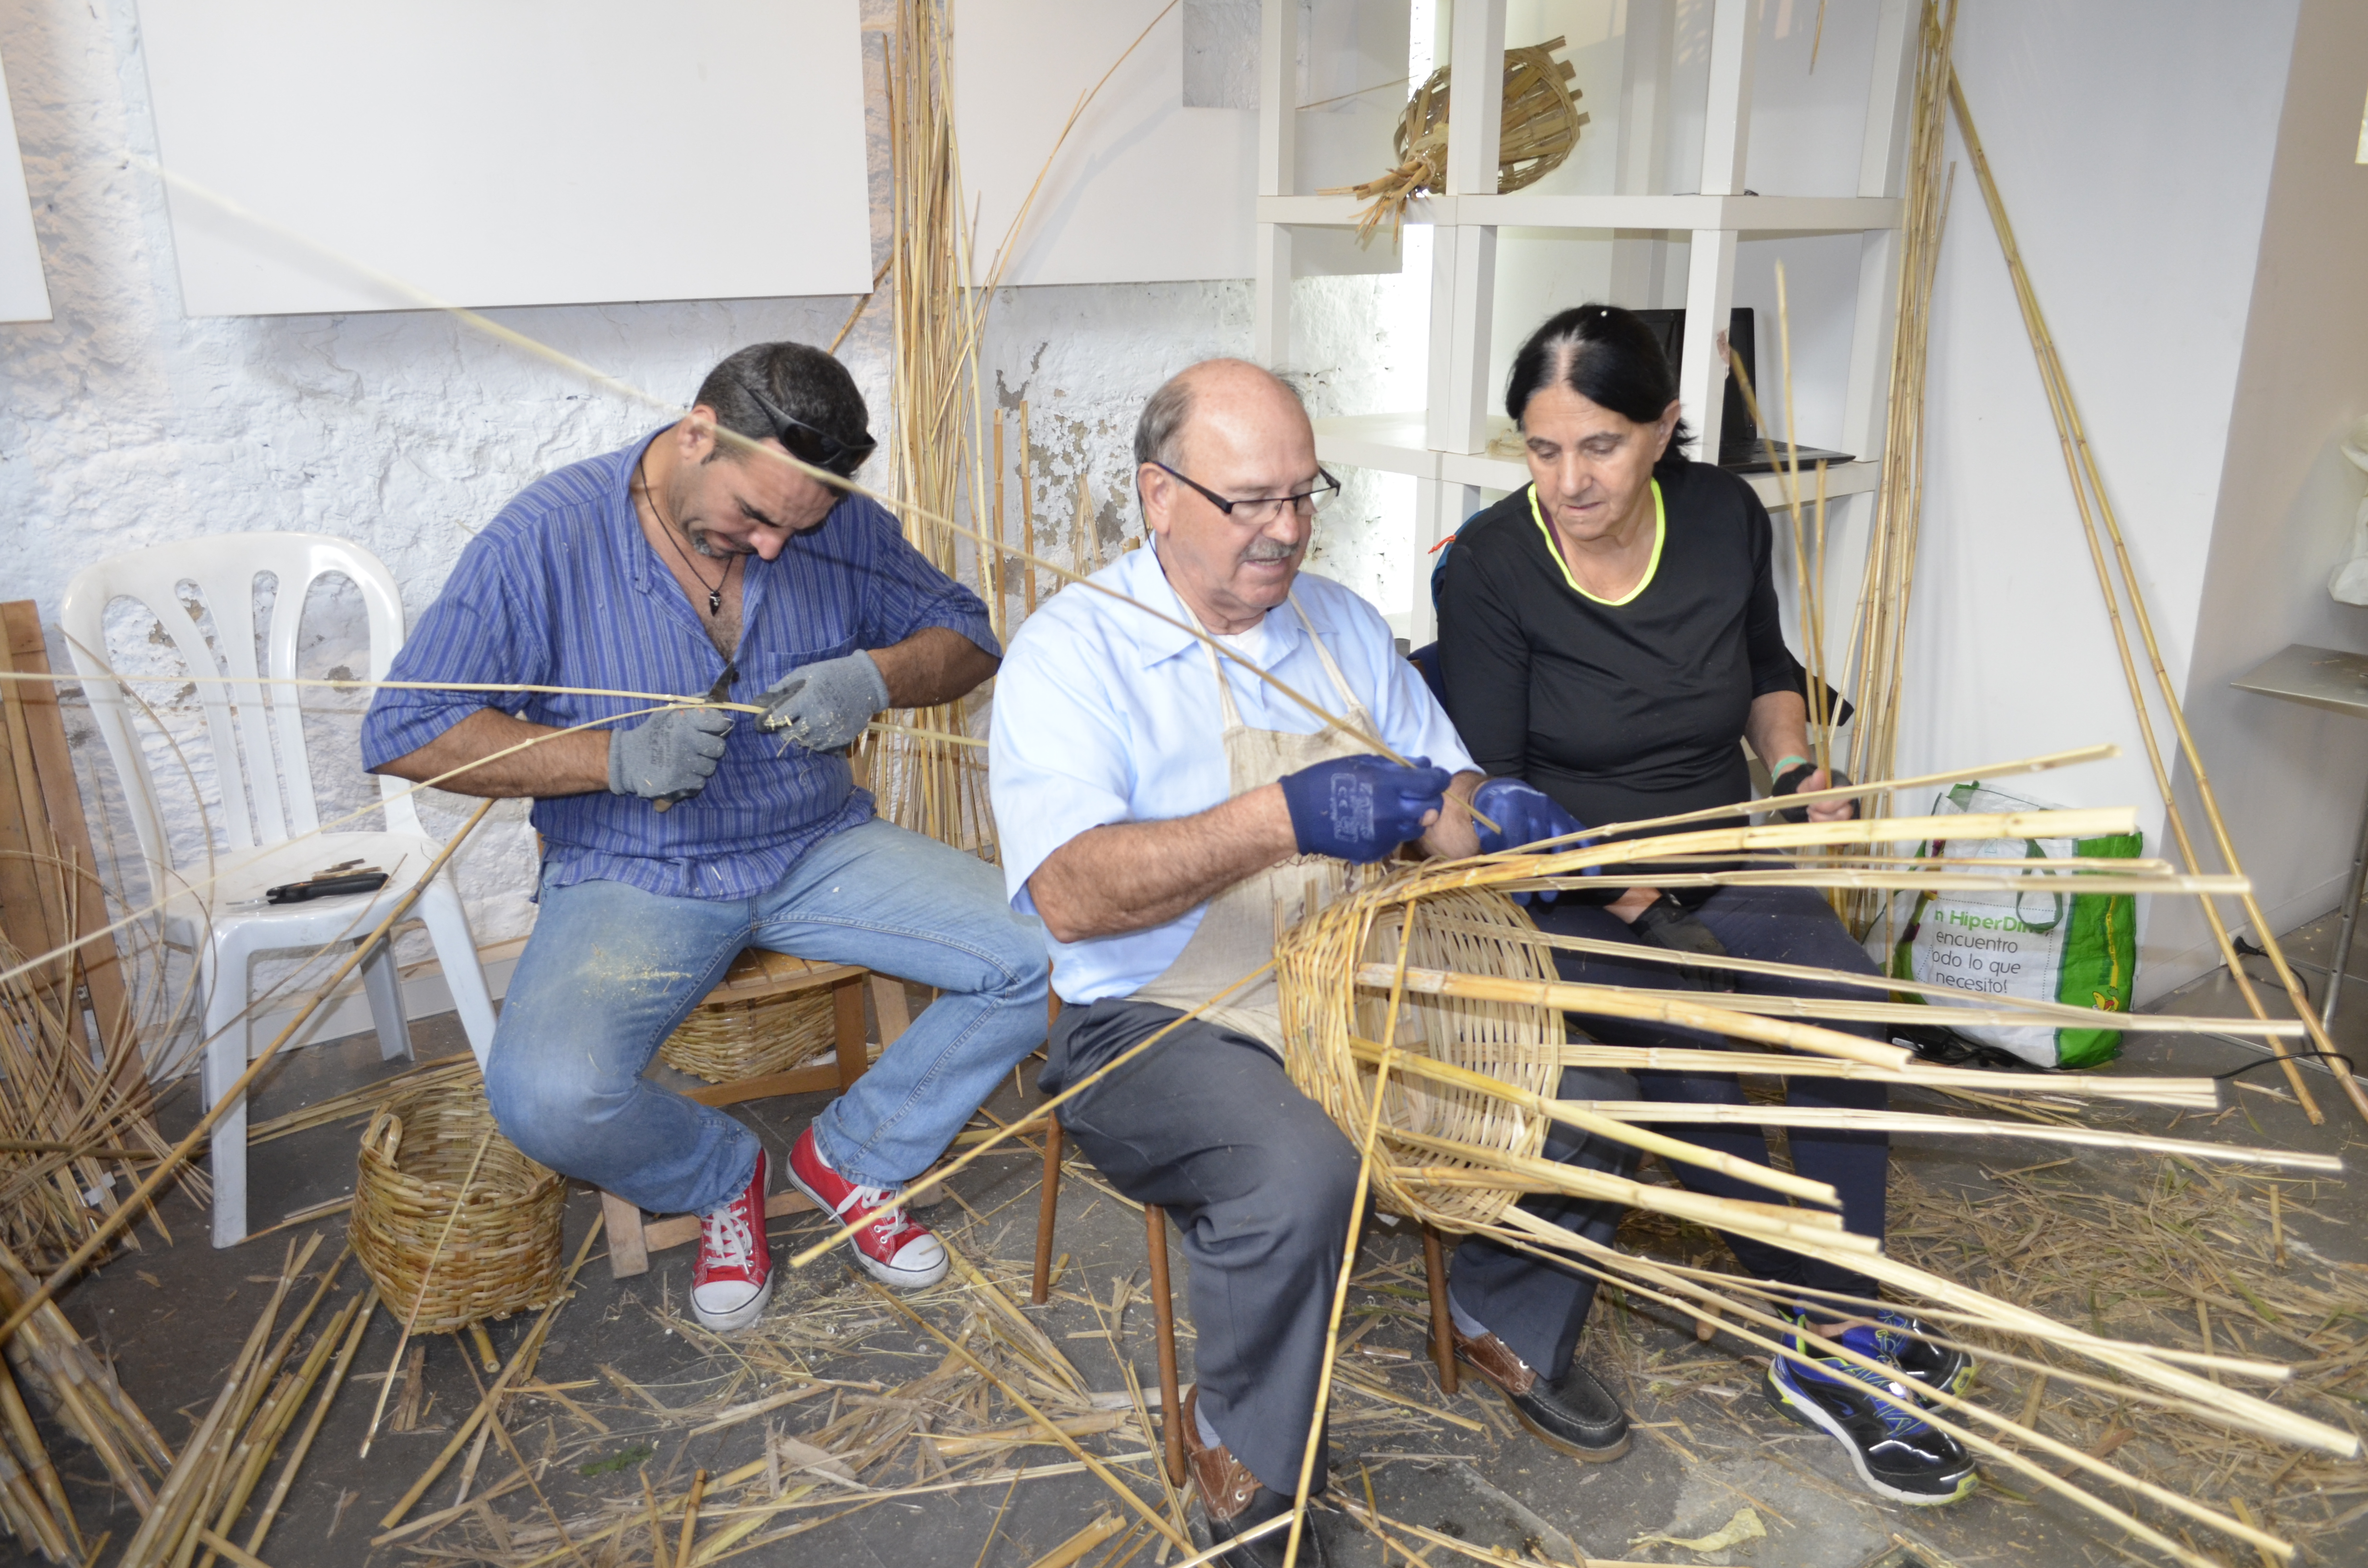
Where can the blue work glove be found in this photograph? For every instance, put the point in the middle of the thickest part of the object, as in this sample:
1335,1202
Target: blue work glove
824,707
1362,808
1523,816
671,756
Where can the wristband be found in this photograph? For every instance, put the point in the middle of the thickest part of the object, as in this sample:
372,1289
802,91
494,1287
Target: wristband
1782,765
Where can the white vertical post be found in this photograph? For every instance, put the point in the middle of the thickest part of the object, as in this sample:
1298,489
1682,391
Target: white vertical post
1701,370
1278,97
1440,507
1466,413
1439,380
1641,166
1710,261
1431,524
1278,125
1882,168
1726,112
1459,413
1475,105
1270,321
1883,152
1865,412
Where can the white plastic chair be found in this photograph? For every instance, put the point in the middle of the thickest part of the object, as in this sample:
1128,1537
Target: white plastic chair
265,802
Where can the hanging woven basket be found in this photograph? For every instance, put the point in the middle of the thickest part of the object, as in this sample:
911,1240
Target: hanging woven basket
1439,1156
1540,127
499,1255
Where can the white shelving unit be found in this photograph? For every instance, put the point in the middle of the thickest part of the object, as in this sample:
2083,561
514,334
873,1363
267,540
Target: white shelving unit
1444,447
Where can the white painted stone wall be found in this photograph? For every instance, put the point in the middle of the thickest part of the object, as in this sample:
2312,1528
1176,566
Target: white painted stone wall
123,423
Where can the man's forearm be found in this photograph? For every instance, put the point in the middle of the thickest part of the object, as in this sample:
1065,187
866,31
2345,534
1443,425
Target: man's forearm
932,666
1131,876
569,764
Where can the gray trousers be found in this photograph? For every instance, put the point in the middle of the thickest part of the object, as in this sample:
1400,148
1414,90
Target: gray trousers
1206,1125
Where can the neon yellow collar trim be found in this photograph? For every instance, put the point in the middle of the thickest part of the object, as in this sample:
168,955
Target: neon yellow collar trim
1661,536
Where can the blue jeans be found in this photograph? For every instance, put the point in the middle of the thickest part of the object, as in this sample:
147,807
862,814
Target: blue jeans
611,969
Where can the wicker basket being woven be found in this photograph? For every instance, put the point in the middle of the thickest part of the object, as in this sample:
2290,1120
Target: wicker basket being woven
1431,1132
727,1038
499,1256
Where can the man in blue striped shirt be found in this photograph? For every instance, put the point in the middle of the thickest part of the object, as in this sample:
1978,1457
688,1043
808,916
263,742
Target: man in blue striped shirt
689,561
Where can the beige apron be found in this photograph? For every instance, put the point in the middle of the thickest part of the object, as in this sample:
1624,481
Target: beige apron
1237,930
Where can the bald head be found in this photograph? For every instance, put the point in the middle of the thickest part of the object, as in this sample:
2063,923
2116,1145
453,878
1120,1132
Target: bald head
1221,390
1228,429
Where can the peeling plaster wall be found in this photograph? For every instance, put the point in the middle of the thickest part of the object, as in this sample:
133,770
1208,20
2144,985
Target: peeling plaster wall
123,423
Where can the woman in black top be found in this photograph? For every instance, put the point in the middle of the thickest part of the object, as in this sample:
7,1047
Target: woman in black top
1609,634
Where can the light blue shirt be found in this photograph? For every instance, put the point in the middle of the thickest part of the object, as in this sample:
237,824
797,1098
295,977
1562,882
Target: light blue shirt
1103,714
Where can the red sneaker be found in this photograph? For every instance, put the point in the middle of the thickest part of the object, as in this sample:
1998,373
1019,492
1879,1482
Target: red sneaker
892,1247
734,1276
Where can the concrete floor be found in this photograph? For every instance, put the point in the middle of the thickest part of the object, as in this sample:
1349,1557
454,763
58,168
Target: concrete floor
1707,1444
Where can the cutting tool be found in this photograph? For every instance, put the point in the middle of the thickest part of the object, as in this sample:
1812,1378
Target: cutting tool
716,693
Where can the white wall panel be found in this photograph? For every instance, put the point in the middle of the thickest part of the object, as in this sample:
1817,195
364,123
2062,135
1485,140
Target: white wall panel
510,151
1144,190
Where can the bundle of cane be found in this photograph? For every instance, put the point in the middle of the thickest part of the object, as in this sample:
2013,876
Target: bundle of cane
1874,660
1423,1014
69,1125
925,777
1540,127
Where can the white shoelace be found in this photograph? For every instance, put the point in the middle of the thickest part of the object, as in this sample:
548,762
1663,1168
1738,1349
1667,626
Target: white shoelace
728,1240
865,1200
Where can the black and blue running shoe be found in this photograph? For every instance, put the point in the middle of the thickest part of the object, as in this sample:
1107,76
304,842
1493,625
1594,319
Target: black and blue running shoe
1898,1453
1924,1365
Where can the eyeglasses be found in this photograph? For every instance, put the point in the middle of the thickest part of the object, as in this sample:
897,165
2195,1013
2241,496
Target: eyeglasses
1261,510
816,446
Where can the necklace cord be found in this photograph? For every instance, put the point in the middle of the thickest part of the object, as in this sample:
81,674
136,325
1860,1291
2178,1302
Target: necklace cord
715,593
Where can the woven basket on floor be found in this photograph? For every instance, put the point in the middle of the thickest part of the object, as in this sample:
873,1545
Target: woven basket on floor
501,1255
725,1039
1416,1169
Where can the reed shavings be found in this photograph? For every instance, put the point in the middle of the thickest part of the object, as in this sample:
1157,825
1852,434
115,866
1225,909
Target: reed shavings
827,1439
2138,1257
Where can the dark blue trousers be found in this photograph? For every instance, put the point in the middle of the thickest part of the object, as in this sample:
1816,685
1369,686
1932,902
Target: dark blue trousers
1207,1125
1784,925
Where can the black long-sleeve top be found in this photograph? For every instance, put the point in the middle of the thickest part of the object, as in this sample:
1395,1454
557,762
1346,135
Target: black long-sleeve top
1617,710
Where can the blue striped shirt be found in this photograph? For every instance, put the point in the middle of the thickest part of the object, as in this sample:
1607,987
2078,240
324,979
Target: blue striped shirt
562,588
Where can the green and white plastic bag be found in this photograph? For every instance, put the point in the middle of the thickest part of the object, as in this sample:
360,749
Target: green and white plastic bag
2027,944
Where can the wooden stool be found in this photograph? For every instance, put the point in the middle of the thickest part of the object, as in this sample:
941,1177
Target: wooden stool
1155,1224
759,973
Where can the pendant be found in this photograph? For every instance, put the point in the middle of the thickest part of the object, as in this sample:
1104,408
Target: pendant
715,601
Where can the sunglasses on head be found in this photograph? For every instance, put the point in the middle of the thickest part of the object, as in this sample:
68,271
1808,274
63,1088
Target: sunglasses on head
809,445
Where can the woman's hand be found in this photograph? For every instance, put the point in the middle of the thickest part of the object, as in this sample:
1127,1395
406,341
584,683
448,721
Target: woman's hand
1807,780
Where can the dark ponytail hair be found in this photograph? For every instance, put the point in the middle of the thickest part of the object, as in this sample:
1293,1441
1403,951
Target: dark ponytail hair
1607,356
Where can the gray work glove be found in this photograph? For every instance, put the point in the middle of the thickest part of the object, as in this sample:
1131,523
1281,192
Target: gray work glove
671,756
824,707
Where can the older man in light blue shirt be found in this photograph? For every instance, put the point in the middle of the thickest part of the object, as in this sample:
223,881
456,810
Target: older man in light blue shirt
1161,808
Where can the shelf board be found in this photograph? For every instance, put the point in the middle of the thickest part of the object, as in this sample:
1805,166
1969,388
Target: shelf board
1394,443
1748,215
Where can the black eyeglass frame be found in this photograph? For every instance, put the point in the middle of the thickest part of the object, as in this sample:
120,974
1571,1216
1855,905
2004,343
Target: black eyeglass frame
841,458
1330,487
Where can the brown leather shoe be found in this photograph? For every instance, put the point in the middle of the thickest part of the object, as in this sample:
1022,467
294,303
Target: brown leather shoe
1225,1485
1576,1414
1235,1501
